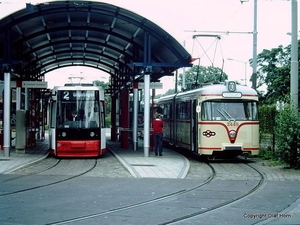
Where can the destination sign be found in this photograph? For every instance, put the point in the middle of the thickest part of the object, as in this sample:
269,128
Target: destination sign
232,94
76,95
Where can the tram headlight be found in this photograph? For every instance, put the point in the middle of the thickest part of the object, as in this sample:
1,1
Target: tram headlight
92,134
63,134
232,134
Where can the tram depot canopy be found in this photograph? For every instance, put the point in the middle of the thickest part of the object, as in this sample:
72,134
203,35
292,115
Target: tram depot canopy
47,36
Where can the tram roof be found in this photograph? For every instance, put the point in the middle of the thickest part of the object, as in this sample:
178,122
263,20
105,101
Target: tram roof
47,36
213,90
77,88
220,88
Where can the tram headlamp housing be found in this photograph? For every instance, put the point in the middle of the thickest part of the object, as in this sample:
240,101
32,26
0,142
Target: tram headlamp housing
63,134
92,134
232,134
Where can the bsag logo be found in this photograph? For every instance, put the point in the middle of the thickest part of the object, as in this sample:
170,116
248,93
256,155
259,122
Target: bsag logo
208,133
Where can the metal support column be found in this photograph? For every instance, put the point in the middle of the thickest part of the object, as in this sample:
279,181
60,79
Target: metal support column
148,71
113,129
294,56
124,134
254,59
135,118
26,99
6,117
147,115
18,98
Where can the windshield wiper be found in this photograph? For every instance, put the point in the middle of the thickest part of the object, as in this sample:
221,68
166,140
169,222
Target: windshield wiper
226,115
230,117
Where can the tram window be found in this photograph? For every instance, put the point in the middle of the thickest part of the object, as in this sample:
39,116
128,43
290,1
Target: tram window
215,110
102,114
183,110
166,110
78,114
53,117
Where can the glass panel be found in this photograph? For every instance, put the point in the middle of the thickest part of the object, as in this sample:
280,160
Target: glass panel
53,113
80,111
216,110
102,114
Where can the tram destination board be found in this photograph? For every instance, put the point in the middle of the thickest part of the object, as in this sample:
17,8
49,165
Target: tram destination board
77,95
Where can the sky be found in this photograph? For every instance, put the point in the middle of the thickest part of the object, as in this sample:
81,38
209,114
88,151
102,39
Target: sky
185,18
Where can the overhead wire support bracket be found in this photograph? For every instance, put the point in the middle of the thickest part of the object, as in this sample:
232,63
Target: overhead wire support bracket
207,35
221,32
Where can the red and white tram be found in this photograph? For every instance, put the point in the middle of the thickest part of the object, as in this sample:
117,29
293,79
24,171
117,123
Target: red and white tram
217,119
77,121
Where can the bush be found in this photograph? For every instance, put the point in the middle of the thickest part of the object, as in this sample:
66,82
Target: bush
287,137
266,153
266,118
267,131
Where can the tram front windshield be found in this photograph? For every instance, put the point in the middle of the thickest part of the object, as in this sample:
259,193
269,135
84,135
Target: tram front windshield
78,109
229,110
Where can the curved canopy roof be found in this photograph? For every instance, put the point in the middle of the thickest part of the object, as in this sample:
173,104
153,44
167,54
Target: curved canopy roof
47,36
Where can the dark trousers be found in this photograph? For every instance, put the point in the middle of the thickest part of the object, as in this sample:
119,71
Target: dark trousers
158,140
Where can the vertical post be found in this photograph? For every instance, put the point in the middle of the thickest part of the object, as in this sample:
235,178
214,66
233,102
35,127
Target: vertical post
6,117
294,56
26,99
135,118
113,130
148,71
254,58
183,74
18,95
124,118
147,115
245,73
176,81
152,103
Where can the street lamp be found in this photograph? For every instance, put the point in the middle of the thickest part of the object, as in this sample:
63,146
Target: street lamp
245,67
289,33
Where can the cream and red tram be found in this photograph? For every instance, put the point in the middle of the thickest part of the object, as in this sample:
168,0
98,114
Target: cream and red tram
213,120
77,120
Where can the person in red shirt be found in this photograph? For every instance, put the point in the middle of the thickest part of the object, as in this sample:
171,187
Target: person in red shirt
157,125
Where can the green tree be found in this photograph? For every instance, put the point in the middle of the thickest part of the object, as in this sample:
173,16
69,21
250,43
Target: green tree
102,84
168,92
274,71
202,74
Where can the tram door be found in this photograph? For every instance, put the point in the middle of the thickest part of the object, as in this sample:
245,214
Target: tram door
193,129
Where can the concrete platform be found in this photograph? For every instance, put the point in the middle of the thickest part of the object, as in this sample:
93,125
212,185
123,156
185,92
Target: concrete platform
170,165
19,159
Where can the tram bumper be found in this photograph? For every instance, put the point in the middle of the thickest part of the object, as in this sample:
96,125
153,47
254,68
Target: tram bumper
236,149
84,148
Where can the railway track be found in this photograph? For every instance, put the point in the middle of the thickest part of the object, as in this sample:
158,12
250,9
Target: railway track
23,172
167,199
58,168
140,204
224,204
218,174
